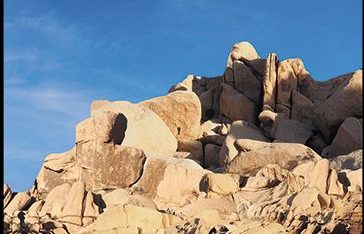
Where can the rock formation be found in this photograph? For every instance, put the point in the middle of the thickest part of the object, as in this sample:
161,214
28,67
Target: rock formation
263,148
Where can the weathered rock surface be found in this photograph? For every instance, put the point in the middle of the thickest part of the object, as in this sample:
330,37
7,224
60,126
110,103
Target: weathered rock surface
286,155
352,161
186,109
109,166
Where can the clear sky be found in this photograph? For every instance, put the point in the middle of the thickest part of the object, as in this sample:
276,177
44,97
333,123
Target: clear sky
61,55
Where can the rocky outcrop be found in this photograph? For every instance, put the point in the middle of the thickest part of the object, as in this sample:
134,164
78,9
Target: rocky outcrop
262,148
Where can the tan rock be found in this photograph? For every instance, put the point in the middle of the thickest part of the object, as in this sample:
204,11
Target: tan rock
134,126
269,82
193,147
242,51
72,211
348,138
304,170
334,186
7,194
56,200
309,200
35,208
247,83
116,197
109,166
57,170
211,155
257,182
320,175
20,201
222,184
275,174
186,109
238,130
345,102
286,155
236,106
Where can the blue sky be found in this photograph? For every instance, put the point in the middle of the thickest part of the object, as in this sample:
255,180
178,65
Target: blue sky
61,55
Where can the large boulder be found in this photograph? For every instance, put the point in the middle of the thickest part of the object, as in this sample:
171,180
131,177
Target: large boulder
236,106
109,166
348,138
127,124
169,182
345,102
286,155
184,123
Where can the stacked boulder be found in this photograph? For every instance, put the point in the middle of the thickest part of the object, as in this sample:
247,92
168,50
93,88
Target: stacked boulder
261,148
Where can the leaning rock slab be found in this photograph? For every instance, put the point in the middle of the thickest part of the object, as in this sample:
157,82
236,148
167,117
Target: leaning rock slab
186,109
236,106
345,102
348,138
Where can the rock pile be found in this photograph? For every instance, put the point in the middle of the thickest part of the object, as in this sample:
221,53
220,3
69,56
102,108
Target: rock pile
262,148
